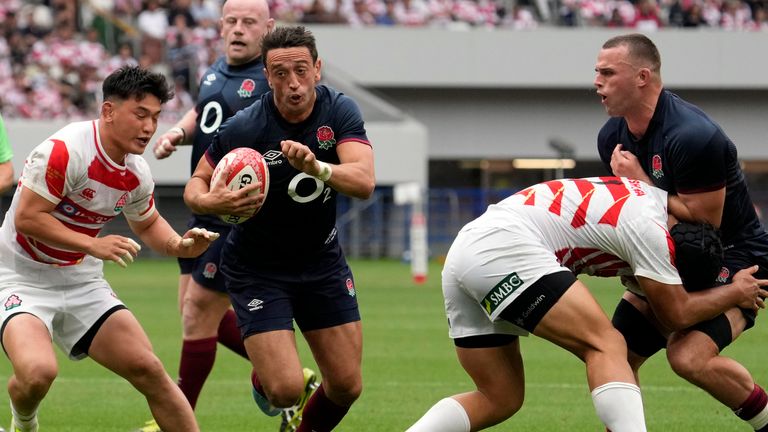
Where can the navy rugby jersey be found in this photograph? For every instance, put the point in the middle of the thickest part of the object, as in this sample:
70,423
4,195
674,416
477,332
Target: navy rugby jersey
684,151
224,90
298,219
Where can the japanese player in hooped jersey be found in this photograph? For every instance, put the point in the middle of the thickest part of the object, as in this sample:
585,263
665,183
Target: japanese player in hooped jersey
512,271
268,239
90,190
602,226
51,249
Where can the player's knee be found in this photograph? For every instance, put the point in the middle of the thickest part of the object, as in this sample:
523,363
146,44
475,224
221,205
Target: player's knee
144,370
37,378
608,342
343,390
686,363
284,393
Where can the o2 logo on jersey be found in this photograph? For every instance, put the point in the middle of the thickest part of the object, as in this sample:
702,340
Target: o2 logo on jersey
121,203
303,199
211,117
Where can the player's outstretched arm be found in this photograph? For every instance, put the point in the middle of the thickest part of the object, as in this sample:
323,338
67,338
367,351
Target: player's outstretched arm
353,176
677,308
33,219
156,233
202,197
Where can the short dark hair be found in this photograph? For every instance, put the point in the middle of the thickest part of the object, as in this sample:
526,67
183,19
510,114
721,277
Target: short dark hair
639,46
135,82
288,37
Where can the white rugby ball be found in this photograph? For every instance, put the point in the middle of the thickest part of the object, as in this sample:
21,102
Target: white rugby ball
248,166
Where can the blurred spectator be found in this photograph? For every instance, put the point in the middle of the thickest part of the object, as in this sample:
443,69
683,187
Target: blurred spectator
181,8
153,24
693,17
55,52
386,17
361,15
711,12
181,102
736,15
181,55
204,10
317,13
153,20
616,20
647,16
760,22
413,13
124,57
521,18
676,15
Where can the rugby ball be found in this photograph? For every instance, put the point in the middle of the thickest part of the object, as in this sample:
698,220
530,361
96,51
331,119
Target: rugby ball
247,166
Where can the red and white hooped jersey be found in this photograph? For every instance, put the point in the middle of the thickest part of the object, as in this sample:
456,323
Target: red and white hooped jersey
602,226
72,170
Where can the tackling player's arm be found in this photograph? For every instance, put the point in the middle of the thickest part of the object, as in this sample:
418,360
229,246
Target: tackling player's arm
699,207
353,176
203,198
677,308
179,134
156,233
33,218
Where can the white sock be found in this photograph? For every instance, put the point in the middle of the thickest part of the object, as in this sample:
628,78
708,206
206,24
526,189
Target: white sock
445,416
620,406
760,420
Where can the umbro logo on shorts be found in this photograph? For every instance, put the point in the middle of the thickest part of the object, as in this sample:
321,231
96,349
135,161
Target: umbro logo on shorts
255,305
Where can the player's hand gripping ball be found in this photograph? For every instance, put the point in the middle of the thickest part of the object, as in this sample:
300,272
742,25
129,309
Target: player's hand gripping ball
247,166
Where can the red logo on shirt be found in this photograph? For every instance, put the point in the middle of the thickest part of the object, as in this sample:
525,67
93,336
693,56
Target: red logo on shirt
121,203
88,193
723,276
246,88
325,137
656,167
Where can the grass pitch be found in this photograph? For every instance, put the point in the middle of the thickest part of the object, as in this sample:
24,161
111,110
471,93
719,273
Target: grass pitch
408,364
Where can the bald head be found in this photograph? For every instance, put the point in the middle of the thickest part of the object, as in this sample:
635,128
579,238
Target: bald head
243,24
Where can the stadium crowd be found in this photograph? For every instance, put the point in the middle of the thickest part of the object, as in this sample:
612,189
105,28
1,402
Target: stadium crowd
55,53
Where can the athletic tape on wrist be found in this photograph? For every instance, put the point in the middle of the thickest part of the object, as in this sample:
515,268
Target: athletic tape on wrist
325,171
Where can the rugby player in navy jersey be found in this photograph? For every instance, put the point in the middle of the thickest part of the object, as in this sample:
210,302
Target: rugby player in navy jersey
285,262
655,136
232,83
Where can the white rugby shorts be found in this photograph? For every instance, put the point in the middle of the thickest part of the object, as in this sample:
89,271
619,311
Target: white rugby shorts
68,311
479,260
